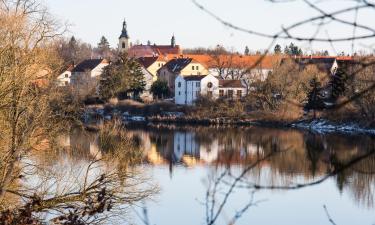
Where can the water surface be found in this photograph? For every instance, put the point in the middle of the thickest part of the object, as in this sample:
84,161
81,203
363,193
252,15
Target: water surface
246,175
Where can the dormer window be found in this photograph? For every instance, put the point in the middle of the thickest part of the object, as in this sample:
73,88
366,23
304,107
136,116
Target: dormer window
66,75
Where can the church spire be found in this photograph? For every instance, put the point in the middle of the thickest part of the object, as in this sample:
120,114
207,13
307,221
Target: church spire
173,41
124,33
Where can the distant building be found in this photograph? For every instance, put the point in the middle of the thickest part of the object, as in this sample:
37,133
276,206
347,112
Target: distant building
64,78
149,50
152,64
190,88
87,73
124,39
146,95
180,66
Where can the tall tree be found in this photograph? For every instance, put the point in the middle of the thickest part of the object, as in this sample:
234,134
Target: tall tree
277,49
103,44
160,89
247,50
293,49
314,97
121,78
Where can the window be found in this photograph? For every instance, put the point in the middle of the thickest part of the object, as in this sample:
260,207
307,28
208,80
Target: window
221,93
197,67
239,93
209,94
66,83
179,84
230,93
179,93
123,45
198,84
193,67
209,85
66,75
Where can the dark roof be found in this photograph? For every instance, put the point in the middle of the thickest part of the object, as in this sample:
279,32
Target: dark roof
147,61
194,77
231,84
177,64
87,65
323,64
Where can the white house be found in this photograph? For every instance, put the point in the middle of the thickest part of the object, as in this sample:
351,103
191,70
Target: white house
64,78
146,95
88,71
189,88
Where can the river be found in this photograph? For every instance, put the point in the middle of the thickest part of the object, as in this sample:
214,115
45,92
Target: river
250,175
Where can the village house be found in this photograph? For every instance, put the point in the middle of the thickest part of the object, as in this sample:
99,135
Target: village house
88,72
152,64
190,88
64,78
236,67
180,66
146,95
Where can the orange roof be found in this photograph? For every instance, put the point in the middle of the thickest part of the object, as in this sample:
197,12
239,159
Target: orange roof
227,61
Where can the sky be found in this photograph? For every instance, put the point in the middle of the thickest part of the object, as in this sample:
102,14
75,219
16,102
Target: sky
157,21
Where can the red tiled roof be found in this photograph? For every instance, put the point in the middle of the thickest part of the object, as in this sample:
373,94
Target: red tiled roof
230,84
236,61
138,51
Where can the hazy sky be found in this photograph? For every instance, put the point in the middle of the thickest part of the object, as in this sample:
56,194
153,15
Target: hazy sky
158,20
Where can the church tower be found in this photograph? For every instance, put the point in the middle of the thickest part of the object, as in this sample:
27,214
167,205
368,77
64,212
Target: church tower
173,41
124,40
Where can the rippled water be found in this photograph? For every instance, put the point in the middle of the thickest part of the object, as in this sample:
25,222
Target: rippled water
210,175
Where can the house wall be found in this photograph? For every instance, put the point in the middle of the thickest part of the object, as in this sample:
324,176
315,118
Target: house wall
193,89
166,75
199,69
180,92
149,80
153,69
63,80
97,71
214,90
235,95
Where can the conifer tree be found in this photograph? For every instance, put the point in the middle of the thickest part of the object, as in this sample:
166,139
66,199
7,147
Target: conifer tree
277,49
314,97
122,77
247,50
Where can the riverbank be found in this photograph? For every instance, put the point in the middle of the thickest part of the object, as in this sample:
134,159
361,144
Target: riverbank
168,113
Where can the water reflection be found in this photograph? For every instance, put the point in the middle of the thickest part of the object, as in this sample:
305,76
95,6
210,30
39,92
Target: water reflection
304,155
257,157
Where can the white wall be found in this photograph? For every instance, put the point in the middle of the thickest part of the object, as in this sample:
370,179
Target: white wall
214,89
180,96
193,89
63,80
98,71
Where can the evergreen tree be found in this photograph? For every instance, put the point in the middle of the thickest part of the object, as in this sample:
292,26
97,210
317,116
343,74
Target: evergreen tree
103,44
293,50
247,50
160,89
338,83
122,77
277,49
314,97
